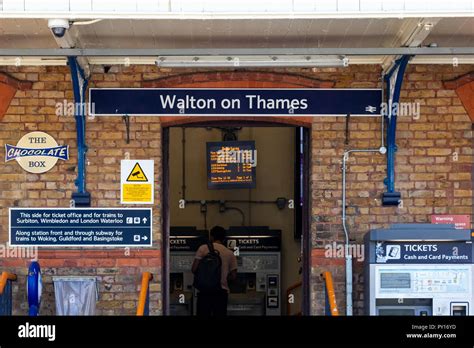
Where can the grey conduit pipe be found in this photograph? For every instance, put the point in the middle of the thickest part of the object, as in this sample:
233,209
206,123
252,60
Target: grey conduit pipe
348,257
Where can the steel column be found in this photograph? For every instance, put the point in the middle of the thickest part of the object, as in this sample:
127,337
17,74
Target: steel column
79,83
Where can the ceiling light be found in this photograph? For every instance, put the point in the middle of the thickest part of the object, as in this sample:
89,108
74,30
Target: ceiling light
251,61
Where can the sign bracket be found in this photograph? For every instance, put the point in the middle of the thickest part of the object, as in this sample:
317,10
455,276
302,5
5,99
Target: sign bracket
394,80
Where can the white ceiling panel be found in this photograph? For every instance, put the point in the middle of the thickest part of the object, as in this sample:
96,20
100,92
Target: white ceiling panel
46,5
81,5
240,33
453,32
125,33
209,9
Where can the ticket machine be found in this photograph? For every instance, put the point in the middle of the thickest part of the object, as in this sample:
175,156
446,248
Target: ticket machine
184,242
257,290
419,269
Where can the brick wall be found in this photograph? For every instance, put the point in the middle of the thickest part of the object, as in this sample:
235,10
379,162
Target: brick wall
118,270
433,169
431,178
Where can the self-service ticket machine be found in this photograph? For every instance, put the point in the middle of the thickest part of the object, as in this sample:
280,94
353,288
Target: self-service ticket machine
257,290
184,242
419,269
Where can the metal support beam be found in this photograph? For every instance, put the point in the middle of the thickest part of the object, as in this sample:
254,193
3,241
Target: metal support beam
412,34
115,52
81,198
394,80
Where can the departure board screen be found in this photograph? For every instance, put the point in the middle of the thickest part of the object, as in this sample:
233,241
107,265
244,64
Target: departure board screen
231,164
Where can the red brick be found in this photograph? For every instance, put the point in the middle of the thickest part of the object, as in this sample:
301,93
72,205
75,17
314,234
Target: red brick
128,262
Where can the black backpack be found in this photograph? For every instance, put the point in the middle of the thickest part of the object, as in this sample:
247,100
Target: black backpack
207,278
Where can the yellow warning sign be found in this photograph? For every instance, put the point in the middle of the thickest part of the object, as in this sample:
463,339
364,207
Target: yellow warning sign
136,193
136,181
137,174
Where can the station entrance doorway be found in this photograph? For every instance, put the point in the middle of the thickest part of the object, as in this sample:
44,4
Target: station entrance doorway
252,179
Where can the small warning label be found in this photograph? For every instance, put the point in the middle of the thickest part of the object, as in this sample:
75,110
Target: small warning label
137,174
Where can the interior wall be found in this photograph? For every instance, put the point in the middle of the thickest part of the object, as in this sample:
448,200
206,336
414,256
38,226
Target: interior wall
275,178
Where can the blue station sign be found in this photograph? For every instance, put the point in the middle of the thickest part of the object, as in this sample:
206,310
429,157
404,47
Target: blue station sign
90,227
234,102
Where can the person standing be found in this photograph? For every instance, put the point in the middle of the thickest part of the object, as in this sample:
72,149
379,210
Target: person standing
213,267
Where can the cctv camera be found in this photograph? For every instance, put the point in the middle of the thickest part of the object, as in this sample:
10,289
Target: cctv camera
58,27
